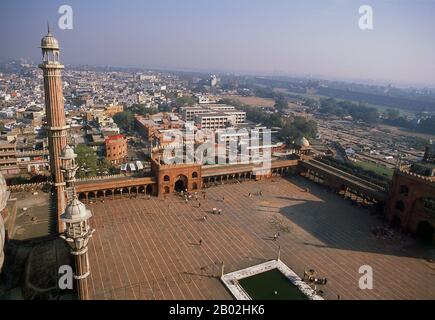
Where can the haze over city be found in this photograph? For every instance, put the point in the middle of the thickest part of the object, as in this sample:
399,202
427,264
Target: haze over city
297,38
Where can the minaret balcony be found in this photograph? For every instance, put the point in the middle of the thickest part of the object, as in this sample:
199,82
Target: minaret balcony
51,65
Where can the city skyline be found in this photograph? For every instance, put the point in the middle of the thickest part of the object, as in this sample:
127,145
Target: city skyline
318,39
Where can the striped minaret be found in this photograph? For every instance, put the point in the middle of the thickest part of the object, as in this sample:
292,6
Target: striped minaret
55,114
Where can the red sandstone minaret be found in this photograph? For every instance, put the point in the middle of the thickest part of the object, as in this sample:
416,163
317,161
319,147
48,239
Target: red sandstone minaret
55,114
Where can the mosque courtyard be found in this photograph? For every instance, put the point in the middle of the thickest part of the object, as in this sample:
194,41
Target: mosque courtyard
152,248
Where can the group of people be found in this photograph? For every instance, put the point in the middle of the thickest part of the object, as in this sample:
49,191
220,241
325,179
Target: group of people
191,195
259,193
217,211
276,236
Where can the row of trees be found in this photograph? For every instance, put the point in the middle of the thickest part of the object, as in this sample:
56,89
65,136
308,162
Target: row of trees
290,128
425,125
358,111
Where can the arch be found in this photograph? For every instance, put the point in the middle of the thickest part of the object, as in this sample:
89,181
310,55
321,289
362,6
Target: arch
100,194
117,192
166,178
166,189
149,189
82,196
403,189
400,205
133,190
141,189
109,193
195,174
194,186
396,223
91,195
425,231
181,183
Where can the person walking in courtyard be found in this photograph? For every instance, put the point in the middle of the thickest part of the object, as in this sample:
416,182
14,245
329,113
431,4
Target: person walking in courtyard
220,211
200,242
223,198
249,194
199,205
275,236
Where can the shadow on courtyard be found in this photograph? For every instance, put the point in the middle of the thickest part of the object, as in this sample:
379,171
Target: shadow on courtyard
336,223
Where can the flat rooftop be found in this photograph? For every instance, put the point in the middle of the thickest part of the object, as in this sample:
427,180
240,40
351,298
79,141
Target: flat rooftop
149,249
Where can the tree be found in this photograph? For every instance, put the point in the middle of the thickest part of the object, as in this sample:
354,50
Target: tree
281,103
392,114
105,167
358,111
87,161
185,100
297,128
164,107
143,110
124,120
427,125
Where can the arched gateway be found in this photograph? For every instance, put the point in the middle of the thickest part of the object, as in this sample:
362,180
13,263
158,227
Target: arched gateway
181,183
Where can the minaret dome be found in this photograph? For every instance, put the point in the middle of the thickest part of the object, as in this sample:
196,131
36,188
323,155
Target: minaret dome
50,48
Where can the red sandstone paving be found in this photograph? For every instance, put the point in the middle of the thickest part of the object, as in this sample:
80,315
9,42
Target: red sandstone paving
148,249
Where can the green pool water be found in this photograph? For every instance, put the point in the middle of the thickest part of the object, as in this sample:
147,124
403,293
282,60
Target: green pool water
263,286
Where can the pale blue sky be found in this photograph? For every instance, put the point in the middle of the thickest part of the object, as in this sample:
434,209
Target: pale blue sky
290,37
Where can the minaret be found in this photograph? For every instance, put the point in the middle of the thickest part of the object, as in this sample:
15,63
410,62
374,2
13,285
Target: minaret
77,229
55,114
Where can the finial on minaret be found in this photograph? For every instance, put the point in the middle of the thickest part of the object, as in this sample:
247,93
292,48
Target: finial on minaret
48,27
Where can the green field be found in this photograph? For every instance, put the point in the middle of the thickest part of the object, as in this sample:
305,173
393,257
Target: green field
376,168
271,285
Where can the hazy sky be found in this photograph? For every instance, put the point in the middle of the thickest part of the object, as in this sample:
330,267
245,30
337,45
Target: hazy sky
306,37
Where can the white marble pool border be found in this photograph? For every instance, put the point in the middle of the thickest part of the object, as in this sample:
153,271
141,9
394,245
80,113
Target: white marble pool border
231,280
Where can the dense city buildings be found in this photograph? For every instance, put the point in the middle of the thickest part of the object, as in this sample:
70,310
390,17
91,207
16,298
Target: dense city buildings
8,158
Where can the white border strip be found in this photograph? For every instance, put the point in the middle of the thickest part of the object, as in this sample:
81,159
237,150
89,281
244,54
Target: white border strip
231,280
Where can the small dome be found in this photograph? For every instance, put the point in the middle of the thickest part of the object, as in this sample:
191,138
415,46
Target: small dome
49,42
76,211
68,153
303,142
